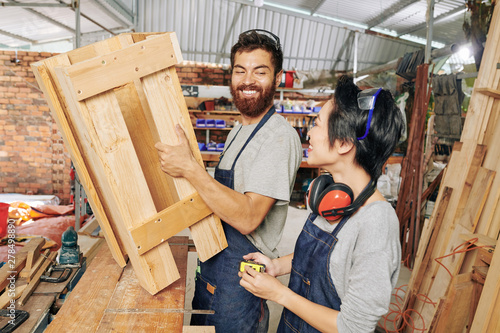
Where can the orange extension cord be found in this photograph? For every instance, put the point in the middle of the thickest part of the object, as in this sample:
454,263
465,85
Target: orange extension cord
395,309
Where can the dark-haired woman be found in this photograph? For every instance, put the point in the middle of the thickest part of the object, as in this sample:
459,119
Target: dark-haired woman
347,258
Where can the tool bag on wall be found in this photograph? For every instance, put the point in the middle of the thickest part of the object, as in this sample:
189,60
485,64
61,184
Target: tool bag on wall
448,98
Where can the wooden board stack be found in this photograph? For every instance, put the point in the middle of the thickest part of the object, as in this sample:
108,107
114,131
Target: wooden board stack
466,207
112,101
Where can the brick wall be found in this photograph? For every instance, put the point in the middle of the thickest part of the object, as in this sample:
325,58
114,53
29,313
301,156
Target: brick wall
32,156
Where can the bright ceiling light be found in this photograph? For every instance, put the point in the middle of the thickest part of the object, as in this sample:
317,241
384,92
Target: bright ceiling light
464,53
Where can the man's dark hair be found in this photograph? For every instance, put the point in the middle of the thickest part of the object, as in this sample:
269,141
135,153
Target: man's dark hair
254,39
347,122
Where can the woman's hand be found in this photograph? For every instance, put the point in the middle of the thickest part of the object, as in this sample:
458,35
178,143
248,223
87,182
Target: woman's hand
259,258
262,285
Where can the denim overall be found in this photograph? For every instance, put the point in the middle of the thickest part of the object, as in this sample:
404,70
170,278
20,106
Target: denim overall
217,285
310,276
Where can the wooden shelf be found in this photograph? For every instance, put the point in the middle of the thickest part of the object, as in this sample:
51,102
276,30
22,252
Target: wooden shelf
211,156
213,128
214,111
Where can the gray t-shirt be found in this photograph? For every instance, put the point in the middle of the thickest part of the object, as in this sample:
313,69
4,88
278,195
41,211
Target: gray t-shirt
365,265
267,166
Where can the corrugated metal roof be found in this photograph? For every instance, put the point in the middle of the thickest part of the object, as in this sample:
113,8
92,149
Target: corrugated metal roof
315,34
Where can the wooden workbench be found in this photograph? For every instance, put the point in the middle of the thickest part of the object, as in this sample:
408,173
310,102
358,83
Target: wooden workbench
110,298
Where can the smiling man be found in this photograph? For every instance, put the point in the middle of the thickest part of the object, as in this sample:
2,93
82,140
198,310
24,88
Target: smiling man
252,186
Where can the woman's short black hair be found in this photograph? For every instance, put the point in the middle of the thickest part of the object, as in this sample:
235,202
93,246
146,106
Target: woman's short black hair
347,122
260,39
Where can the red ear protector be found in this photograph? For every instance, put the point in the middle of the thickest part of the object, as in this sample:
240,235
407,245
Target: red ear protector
333,200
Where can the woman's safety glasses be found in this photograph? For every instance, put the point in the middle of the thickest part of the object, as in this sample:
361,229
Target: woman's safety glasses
366,101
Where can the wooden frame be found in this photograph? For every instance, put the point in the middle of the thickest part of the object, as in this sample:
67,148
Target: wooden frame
112,101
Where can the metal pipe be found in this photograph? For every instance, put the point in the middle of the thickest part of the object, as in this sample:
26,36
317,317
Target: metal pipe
355,64
75,4
430,27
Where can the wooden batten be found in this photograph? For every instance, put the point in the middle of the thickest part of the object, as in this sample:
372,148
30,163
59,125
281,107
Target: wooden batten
110,100
168,108
44,73
158,229
92,76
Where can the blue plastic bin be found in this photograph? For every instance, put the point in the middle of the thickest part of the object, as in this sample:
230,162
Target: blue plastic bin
210,123
219,123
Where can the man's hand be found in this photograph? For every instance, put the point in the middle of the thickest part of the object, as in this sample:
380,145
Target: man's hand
176,160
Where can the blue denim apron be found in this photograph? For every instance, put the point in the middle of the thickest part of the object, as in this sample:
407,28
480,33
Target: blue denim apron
217,285
310,275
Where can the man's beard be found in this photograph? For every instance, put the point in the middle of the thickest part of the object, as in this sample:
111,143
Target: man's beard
253,107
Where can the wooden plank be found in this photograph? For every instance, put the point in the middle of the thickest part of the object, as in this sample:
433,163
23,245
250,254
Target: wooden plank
133,104
476,160
489,223
457,311
36,279
128,297
92,77
424,254
460,168
482,240
28,274
89,246
83,309
13,293
18,261
38,307
479,193
44,73
168,108
89,226
427,246
488,309
33,256
110,153
467,223
160,227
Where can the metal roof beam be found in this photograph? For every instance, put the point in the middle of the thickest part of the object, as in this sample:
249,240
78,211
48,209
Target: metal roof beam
394,9
6,33
344,48
228,33
32,4
438,19
122,9
112,15
315,9
46,18
324,21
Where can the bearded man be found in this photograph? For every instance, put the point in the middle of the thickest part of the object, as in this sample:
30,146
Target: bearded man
252,187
